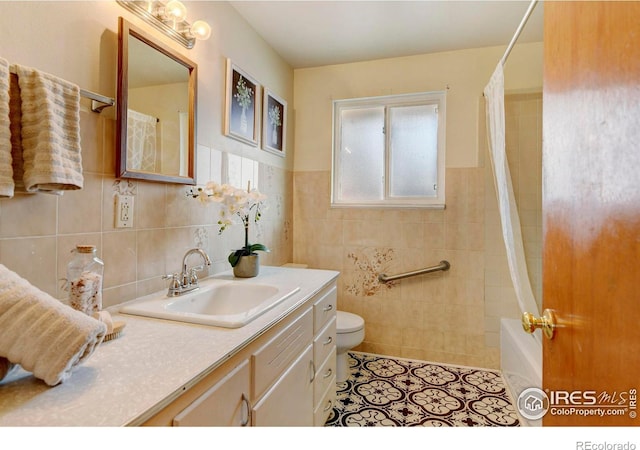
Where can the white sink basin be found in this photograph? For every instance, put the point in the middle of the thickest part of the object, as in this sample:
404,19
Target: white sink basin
222,303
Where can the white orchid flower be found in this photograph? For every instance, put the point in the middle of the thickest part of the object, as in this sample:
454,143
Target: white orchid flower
235,202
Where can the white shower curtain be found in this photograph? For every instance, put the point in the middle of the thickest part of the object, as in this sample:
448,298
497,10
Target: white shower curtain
511,231
141,141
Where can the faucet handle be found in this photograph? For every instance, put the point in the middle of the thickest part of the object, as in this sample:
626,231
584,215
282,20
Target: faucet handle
175,282
193,278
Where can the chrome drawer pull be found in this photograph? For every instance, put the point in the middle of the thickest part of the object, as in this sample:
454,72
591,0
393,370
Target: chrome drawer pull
328,341
328,373
328,308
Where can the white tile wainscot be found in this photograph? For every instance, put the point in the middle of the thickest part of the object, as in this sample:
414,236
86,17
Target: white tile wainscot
153,365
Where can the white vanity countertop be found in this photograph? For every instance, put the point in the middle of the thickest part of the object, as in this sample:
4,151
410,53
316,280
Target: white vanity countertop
130,378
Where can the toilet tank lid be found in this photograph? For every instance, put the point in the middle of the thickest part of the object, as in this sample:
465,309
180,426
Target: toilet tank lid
347,322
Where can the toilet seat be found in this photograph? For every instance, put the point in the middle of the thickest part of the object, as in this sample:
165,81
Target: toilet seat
347,322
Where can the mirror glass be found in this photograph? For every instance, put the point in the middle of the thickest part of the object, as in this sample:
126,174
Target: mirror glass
156,109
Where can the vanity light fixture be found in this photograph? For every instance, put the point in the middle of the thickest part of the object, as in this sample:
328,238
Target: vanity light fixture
170,18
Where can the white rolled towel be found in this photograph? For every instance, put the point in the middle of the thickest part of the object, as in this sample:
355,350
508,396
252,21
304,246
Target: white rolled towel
43,335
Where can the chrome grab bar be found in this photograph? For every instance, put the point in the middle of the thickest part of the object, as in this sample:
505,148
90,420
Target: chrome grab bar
444,266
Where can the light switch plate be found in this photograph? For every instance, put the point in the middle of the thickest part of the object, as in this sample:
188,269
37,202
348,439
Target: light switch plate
124,211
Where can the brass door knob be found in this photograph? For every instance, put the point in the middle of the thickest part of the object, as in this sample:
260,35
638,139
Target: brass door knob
547,323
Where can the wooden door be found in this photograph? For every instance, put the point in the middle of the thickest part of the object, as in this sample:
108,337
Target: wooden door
591,210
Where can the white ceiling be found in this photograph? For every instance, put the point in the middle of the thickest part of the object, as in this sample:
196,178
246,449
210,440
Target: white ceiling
310,33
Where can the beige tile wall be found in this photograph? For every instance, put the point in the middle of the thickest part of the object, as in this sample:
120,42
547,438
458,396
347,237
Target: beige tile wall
438,317
38,232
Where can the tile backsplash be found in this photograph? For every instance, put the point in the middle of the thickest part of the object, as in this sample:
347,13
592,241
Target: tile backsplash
38,231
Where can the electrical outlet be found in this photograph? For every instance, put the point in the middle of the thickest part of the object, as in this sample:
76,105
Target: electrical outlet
124,211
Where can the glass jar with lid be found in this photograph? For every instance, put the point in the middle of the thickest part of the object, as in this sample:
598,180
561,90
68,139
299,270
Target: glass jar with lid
84,275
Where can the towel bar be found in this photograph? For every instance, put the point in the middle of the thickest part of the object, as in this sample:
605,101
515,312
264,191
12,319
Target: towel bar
98,102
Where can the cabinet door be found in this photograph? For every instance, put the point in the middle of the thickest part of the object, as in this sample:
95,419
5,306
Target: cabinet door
226,404
273,358
290,401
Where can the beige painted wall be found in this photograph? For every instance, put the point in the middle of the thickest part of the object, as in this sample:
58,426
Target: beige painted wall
440,317
77,41
463,74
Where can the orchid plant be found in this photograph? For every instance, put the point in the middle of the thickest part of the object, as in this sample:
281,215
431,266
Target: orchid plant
235,202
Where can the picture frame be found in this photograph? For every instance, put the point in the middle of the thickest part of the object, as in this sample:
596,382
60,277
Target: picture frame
274,123
242,105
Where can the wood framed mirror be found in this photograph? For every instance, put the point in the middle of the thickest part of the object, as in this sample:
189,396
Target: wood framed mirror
156,109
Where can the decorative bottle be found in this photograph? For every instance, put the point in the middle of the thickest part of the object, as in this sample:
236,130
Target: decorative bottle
84,275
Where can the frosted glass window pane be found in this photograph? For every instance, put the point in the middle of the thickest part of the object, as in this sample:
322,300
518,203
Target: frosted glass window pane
413,151
388,151
362,154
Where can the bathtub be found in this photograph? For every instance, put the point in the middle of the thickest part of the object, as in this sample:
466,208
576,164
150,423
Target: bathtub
520,361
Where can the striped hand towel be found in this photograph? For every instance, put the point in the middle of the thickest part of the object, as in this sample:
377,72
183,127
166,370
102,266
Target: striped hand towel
6,171
42,334
51,156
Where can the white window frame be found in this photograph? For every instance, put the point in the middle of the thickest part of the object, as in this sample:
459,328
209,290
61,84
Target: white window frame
423,98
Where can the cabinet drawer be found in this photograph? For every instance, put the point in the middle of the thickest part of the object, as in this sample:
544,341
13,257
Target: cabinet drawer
278,354
324,308
324,342
323,409
325,376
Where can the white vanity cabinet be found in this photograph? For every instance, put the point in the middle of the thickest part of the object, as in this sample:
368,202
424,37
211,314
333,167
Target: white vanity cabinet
284,377
304,392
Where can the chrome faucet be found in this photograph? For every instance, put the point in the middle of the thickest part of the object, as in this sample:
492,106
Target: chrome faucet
186,281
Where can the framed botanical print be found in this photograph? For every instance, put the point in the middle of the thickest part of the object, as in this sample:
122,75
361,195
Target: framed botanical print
274,123
242,105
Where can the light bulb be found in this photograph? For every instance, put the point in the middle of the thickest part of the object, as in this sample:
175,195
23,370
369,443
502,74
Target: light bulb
200,30
176,10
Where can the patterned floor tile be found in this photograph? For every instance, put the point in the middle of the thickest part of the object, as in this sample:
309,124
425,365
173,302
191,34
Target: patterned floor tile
383,391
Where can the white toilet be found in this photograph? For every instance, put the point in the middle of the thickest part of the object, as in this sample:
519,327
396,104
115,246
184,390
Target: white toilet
349,334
